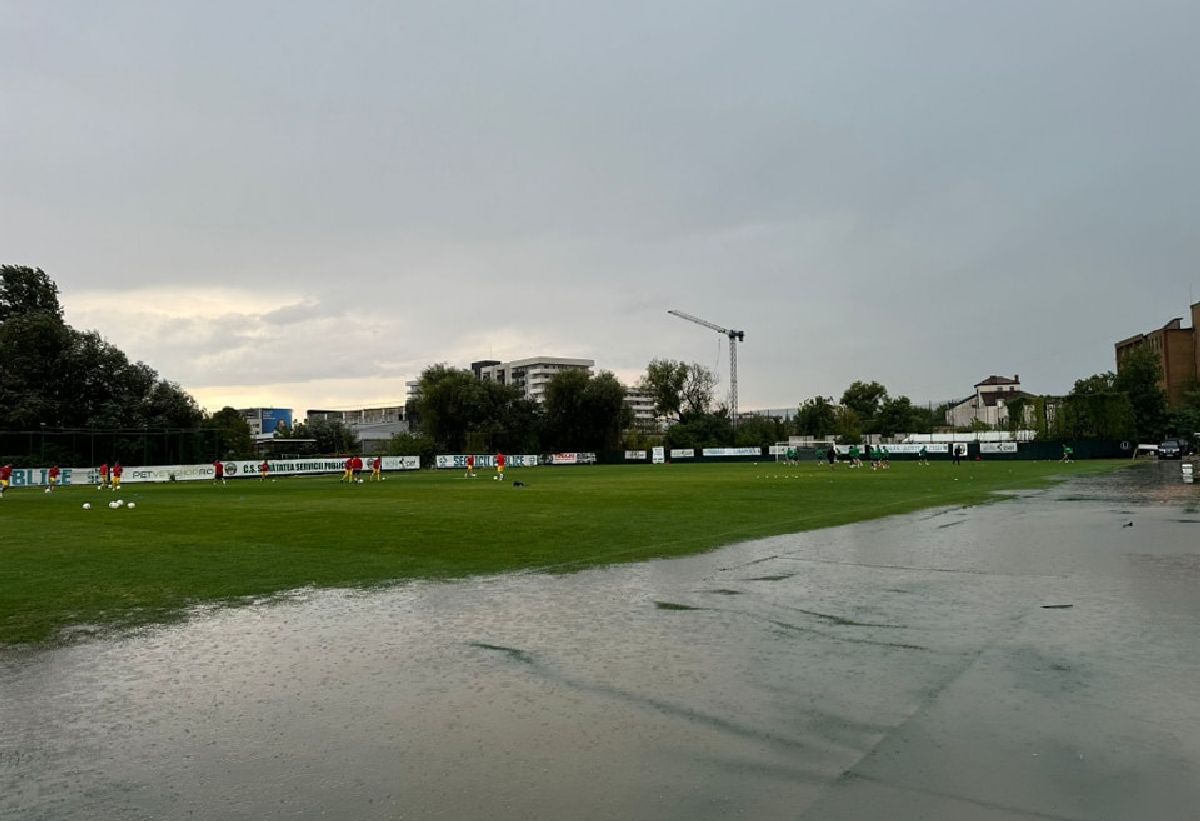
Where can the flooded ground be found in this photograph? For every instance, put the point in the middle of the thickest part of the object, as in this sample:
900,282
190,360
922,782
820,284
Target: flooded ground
1037,658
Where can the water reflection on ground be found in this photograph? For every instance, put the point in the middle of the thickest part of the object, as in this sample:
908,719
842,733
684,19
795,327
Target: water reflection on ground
1034,658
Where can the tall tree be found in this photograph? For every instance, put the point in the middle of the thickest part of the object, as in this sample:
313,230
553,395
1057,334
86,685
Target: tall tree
698,390
865,399
895,416
1138,377
849,426
25,290
815,417
234,434
584,412
664,381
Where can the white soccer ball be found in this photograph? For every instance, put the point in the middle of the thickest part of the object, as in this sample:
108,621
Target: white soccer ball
360,481
131,505
120,502
87,506
47,490
112,505
99,487
496,478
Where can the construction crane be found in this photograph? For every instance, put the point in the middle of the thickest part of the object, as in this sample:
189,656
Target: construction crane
734,337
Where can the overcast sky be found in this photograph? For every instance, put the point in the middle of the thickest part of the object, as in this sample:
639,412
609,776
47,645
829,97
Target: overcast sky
302,204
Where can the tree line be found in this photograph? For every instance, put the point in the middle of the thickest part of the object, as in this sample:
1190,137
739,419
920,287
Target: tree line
53,376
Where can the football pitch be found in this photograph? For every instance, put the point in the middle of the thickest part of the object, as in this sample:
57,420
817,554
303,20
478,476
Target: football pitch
191,543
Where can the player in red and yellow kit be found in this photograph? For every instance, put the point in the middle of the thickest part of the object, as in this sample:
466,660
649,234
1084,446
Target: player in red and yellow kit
263,470
500,466
53,476
5,478
377,469
117,470
104,474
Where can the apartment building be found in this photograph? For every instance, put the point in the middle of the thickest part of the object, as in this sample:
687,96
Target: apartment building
1178,348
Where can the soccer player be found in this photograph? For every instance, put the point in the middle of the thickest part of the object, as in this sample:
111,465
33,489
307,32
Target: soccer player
263,470
923,456
53,476
500,466
377,469
218,472
355,467
117,470
855,462
5,478
885,459
1068,452
470,466
104,474
831,455
347,469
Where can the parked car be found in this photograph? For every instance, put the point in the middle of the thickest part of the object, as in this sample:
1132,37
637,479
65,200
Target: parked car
1171,449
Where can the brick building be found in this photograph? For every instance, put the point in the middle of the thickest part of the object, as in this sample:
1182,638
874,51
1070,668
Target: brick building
1178,348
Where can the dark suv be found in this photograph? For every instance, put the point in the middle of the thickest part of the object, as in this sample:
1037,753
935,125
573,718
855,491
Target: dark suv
1171,449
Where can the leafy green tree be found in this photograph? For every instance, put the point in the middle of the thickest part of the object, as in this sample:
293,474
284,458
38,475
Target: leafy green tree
234,434
816,417
759,431
25,291
708,430
584,412
333,437
664,381
449,405
896,416
848,427
865,399
1138,377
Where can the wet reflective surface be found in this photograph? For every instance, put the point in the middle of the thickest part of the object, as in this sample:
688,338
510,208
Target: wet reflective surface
1034,658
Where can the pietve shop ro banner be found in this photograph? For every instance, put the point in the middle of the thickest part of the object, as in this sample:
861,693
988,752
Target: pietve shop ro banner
485,460
38,477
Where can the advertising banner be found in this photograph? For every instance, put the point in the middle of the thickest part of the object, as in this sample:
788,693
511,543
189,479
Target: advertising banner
458,461
732,451
37,477
635,456
683,453
997,447
777,450
573,459
931,447
659,456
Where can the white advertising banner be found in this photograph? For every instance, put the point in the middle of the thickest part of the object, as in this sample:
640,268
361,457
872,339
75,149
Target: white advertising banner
38,477
932,447
683,453
573,459
485,460
659,457
997,447
732,451
635,456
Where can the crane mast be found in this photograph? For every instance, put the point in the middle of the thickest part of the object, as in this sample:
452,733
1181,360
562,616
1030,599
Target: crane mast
734,337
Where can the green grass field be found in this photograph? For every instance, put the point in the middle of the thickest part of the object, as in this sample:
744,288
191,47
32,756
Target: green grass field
196,542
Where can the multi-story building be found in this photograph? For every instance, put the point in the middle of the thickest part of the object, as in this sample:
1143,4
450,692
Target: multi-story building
987,404
1177,347
641,404
374,427
529,376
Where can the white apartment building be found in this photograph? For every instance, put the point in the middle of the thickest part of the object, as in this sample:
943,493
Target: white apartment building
374,427
987,404
529,376
642,405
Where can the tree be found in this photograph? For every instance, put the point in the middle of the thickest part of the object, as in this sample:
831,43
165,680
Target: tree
896,416
865,399
448,405
1138,377
25,291
848,426
707,430
698,390
408,444
584,412
664,381
233,434
816,417
759,431
333,436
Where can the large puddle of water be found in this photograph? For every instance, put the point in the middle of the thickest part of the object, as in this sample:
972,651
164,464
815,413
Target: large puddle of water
1033,658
